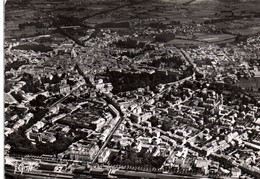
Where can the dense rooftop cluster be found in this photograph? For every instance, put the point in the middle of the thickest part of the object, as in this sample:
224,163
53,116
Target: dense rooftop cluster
120,91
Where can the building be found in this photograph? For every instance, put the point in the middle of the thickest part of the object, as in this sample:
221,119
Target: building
18,124
9,99
82,152
38,125
98,124
113,110
202,165
231,136
28,117
8,131
235,172
47,137
56,118
64,89
103,157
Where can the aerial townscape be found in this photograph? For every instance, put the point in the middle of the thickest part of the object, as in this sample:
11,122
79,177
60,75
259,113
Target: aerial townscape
132,89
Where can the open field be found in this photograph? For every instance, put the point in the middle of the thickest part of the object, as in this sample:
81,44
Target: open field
245,31
253,83
184,43
214,37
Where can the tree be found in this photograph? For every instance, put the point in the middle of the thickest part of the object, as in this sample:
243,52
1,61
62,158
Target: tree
19,143
166,126
39,100
154,121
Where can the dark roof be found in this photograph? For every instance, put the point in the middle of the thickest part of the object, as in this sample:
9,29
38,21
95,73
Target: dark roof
18,96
